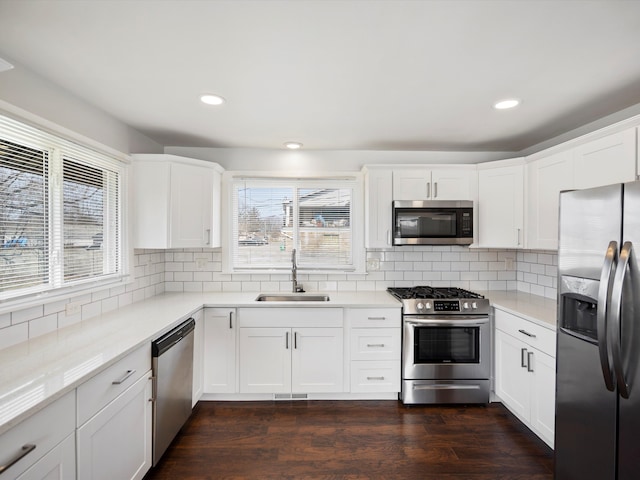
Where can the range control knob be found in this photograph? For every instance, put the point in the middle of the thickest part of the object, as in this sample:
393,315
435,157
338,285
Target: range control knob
419,305
465,305
474,305
428,306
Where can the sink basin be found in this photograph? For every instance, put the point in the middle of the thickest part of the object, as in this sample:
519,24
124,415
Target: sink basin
292,297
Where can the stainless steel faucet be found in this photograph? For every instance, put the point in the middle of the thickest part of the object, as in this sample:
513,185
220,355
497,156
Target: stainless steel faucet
294,272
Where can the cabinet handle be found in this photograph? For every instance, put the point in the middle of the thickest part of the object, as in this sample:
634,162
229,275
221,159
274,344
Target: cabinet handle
388,237
435,189
529,357
24,451
375,344
125,376
523,361
524,332
517,236
295,340
375,378
376,318
428,190
208,242
230,319
286,342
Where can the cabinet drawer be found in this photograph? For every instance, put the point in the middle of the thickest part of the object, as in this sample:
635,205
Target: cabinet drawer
45,429
535,335
98,391
375,344
374,317
370,377
290,317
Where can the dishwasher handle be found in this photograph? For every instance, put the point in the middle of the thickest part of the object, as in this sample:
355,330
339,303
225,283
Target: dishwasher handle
169,339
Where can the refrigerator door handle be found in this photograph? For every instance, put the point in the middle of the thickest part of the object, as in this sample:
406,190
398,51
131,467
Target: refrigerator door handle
606,275
616,313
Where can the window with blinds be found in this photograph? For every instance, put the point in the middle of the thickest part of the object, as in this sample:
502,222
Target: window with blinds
272,217
60,212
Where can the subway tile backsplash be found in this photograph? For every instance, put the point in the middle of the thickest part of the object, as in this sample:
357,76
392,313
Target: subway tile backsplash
21,325
200,270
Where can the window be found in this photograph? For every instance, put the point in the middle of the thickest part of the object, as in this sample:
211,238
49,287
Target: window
60,213
270,217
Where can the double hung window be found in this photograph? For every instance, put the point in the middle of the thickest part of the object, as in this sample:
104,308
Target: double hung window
270,217
60,213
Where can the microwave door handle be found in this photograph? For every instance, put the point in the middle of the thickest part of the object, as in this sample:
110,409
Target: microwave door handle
608,268
616,313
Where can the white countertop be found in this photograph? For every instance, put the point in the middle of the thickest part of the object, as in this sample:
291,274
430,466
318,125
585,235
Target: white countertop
39,371
540,310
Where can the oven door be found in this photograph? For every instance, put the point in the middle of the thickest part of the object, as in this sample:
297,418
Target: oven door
446,347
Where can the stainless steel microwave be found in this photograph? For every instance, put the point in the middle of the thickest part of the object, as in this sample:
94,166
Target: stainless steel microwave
432,222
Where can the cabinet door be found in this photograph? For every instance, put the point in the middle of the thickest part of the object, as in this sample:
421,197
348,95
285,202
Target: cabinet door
116,442
547,177
501,207
605,161
265,360
317,363
219,350
379,198
58,464
454,184
191,206
412,184
543,401
512,383
198,358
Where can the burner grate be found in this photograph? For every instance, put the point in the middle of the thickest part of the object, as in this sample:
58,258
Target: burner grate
427,292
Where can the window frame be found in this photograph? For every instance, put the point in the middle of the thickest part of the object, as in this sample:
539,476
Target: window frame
61,146
352,180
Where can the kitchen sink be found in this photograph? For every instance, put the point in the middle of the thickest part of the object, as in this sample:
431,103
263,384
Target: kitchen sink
292,297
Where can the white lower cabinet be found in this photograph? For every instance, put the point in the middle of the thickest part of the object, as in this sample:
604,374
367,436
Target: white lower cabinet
58,464
198,357
114,420
220,350
375,349
525,372
42,446
116,442
283,351
291,360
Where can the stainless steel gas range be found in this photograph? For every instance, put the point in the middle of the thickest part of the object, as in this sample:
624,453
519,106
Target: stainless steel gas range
446,345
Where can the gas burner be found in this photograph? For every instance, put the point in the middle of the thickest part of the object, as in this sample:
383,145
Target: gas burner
427,292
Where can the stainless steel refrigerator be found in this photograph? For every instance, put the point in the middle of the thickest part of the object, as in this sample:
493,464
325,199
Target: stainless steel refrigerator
597,384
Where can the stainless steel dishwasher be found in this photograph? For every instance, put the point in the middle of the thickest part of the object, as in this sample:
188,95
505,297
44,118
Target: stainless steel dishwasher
172,359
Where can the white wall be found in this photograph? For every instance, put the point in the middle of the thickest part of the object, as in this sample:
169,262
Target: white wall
29,96
305,161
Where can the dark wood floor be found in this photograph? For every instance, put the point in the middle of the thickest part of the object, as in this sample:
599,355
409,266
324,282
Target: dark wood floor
353,440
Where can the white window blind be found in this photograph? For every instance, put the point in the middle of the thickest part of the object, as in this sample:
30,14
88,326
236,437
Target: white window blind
271,217
60,212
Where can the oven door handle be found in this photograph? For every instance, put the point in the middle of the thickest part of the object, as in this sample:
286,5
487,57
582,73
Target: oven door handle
476,322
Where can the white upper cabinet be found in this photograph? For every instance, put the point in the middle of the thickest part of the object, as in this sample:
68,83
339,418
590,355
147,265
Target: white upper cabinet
501,204
378,200
435,184
546,178
176,202
607,160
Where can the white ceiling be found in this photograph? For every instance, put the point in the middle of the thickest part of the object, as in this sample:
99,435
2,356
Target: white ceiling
378,75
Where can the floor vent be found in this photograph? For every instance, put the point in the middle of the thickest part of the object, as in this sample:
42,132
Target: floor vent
290,396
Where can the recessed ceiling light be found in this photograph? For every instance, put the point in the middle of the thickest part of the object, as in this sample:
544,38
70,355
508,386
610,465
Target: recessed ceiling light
505,104
293,145
210,99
